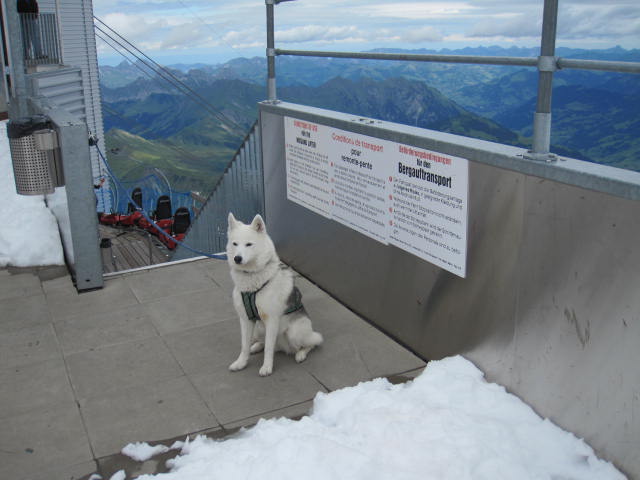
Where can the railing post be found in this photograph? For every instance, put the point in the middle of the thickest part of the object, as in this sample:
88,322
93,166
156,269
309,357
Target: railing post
546,67
271,54
18,95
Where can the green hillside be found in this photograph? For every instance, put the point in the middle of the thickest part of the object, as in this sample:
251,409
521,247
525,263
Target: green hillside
601,126
132,157
191,146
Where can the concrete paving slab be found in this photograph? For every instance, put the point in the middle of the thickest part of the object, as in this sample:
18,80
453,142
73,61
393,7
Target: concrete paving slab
147,359
64,302
63,282
384,357
120,325
36,386
218,271
191,309
68,472
353,350
354,358
96,372
23,312
406,376
111,464
332,318
19,285
168,281
295,412
234,396
200,349
42,440
338,363
108,466
28,345
146,413
310,292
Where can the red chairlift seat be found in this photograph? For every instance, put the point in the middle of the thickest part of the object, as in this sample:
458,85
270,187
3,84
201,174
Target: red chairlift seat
181,222
110,218
133,214
161,217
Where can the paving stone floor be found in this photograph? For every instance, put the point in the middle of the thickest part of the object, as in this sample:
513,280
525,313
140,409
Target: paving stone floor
145,359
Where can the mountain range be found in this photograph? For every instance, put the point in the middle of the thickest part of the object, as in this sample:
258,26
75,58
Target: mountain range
594,113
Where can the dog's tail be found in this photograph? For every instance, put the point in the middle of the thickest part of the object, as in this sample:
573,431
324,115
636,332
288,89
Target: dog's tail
315,339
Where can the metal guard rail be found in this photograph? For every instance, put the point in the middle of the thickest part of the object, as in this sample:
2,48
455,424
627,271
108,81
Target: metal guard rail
560,63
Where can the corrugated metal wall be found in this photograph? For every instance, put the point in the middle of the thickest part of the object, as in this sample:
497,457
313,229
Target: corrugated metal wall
79,50
240,190
62,87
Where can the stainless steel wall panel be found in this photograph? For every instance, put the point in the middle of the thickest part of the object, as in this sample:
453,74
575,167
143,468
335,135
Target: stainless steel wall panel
578,316
550,307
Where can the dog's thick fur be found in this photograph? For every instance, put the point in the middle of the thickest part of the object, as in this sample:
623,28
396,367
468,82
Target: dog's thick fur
255,266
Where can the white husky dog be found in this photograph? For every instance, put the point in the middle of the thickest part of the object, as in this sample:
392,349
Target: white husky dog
272,317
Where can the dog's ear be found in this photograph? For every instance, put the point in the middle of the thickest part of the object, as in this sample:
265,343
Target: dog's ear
232,221
258,224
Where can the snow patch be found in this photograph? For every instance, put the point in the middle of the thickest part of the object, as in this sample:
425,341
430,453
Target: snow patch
447,424
141,451
119,475
28,230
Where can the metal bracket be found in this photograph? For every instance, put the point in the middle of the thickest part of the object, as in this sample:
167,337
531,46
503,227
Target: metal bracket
270,2
547,63
271,52
540,157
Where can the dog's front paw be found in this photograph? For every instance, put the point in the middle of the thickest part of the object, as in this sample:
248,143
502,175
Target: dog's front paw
239,364
266,370
301,355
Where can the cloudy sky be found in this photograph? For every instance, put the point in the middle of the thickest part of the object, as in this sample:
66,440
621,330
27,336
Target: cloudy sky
211,31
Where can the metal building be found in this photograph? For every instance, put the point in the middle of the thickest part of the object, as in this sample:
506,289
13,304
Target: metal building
66,70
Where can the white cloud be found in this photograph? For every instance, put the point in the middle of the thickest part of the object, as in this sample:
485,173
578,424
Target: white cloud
366,24
601,21
524,25
184,36
132,26
253,37
308,33
422,34
420,10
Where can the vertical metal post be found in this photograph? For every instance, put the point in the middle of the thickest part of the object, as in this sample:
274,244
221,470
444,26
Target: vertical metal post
150,248
271,55
59,39
546,67
18,95
4,85
83,220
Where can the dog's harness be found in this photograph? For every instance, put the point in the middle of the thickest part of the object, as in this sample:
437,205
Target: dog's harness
294,302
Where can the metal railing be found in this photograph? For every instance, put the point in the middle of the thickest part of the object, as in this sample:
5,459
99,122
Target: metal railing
547,63
40,39
240,190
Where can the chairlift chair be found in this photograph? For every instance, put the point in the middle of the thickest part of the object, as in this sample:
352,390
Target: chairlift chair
133,214
181,222
161,216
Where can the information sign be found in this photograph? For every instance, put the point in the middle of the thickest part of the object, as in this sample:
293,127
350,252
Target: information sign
412,198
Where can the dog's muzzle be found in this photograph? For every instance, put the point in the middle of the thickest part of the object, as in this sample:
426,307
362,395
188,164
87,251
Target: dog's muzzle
237,259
